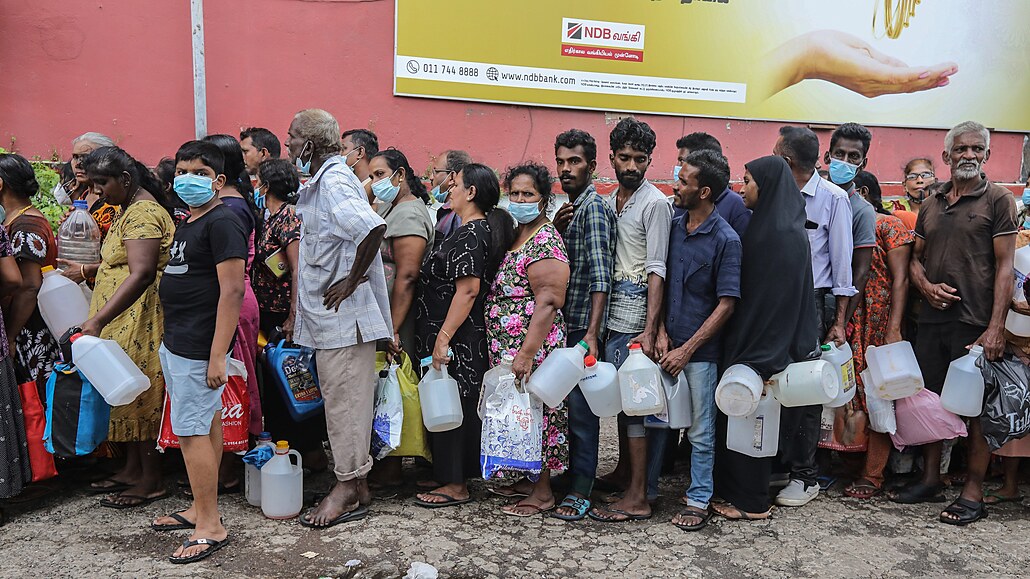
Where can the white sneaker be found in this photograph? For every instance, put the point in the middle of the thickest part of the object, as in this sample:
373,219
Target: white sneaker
796,494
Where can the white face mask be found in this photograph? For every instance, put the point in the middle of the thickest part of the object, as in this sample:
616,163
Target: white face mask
61,195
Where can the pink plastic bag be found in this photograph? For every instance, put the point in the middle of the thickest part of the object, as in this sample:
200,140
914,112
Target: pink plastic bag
922,420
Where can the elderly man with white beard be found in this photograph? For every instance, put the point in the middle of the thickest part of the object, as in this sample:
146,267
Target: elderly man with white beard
962,264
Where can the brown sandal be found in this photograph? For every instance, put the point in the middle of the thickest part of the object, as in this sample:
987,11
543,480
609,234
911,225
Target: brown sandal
734,514
862,489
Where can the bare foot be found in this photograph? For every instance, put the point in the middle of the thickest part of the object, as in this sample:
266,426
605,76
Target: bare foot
344,498
216,533
529,506
455,491
520,487
623,509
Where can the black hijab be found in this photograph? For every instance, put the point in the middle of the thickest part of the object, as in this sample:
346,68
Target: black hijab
774,323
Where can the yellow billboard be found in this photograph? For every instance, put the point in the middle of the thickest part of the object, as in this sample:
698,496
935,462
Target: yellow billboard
929,63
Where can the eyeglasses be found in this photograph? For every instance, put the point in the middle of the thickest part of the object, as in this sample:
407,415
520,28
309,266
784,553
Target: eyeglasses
914,176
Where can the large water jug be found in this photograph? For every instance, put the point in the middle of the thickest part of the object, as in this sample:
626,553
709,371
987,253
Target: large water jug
1017,324
1021,269
252,474
282,484
739,391
893,371
441,403
678,405
492,378
640,384
809,383
557,375
758,433
78,238
109,369
963,392
881,411
61,302
600,387
841,358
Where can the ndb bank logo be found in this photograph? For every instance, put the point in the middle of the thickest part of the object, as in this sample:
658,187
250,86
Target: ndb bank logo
598,33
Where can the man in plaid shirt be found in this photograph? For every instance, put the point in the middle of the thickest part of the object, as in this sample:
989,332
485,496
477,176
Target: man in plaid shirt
589,228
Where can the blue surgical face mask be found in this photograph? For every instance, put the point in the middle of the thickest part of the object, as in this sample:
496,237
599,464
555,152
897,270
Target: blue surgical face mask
1026,197
842,173
384,190
676,172
304,168
524,212
440,196
349,164
259,198
194,190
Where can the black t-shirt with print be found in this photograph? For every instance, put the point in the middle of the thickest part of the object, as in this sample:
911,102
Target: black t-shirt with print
189,287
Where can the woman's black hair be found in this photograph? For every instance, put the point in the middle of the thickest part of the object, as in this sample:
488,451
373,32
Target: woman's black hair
396,161
17,175
114,161
502,227
67,174
538,173
236,170
870,182
165,173
280,179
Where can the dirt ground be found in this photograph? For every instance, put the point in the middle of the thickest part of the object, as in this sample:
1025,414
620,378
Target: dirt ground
67,534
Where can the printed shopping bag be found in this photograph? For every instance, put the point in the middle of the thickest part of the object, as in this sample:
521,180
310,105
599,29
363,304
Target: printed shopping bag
388,414
512,431
414,441
77,417
922,420
40,461
1006,415
235,413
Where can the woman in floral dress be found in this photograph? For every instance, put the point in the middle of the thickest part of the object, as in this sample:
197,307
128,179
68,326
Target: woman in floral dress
876,322
524,320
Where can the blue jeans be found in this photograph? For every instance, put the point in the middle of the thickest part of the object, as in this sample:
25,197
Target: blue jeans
584,434
702,378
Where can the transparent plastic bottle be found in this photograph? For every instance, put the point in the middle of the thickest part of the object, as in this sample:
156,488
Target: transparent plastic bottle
78,238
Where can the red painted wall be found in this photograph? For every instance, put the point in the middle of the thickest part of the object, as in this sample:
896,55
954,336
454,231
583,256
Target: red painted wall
123,67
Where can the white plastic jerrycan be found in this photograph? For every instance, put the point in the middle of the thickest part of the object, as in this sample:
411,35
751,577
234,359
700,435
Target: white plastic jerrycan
893,371
282,484
252,474
678,405
640,384
1020,269
758,433
61,302
492,378
881,412
441,404
115,376
558,374
809,383
600,387
841,358
963,392
1018,324
739,391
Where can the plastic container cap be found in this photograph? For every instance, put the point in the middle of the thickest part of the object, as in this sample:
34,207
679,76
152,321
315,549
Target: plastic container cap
267,435
634,346
75,336
584,344
825,347
46,268
80,204
282,445
589,361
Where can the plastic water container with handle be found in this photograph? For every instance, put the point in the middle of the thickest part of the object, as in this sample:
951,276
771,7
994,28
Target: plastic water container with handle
841,358
739,391
115,376
438,395
252,474
963,392
893,371
557,375
640,384
678,405
600,387
61,302
758,433
1020,269
881,411
809,383
78,237
1017,324
492,379
282,483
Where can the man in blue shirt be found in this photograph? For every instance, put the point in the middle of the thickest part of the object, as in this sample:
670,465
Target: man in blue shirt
702,289
728,202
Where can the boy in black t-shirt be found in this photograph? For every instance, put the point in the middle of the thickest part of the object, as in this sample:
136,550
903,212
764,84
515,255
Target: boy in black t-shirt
201,293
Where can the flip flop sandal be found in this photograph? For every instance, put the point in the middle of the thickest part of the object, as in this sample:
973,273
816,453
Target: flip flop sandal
183,523
582,507
825,482
117,487
212,546
999,499
357,514
966,511
744,515
141,501
509,510
448,502
499,491
919,493
863,491
704,514
628,516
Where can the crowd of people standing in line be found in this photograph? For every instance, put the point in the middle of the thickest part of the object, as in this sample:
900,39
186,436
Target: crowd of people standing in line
224,241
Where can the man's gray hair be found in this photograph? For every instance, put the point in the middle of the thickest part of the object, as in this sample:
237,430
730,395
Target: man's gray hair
321,128
96,139
964,128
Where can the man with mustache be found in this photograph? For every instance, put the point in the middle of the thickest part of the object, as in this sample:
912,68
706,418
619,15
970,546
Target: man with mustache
962,264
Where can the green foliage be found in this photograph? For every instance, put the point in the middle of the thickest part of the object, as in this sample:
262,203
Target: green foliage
44,200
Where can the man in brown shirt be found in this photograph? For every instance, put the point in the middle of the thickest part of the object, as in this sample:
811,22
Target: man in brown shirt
962,264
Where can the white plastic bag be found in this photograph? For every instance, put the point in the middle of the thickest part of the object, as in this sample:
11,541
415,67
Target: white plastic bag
388,416
512,431
881,413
